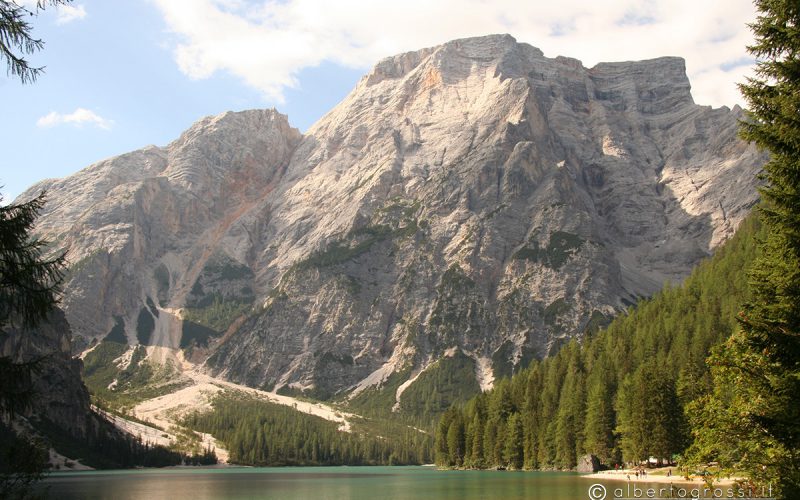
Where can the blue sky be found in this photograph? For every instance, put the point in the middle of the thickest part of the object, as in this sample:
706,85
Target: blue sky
124,74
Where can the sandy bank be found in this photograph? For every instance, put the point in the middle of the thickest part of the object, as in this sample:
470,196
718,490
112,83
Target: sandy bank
658,476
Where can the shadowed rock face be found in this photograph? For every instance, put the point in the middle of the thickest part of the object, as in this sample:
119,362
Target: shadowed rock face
475,195
53,385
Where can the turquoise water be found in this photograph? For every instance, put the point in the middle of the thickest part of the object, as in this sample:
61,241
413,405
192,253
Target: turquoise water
323,483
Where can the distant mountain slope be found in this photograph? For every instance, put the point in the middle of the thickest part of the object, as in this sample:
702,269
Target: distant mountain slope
475,199
56,410
622,392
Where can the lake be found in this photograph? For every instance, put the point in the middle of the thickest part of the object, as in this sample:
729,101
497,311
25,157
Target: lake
319,483
340,483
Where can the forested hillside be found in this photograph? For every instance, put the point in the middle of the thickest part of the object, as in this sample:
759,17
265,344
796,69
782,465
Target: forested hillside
619,395
260,433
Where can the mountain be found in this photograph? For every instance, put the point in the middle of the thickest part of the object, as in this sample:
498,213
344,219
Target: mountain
474,205
631,390
48,419
46,349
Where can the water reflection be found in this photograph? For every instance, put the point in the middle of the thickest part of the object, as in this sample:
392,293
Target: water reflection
323,483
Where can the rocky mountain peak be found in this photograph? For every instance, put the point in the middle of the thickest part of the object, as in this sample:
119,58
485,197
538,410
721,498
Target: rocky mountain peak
230,143
259,122
454,61
476,202
648,86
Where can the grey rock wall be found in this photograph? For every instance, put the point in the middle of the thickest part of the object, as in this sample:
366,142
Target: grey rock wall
477,195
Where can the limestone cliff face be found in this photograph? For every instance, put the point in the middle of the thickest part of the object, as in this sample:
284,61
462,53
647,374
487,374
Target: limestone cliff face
476,196
141,227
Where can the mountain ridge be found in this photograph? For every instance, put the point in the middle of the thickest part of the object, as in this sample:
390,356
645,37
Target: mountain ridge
474,196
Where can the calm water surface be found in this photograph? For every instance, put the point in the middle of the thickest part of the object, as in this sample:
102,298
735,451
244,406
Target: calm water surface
323,483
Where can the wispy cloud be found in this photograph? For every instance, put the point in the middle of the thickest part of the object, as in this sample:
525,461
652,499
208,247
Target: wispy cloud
68,13
267,42
78,117
65,13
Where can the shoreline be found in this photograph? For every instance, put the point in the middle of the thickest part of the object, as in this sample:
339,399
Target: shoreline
659,478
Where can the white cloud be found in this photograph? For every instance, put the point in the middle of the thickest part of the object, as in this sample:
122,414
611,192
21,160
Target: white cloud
267,42
68,13
78,117
64,13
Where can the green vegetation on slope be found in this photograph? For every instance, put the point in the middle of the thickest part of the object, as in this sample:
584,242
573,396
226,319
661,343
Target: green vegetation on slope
757,372
621,395
256,432
377,401
217,313
560,248
395,221
447,381
117,386
222,293
450,380
340,252
109,448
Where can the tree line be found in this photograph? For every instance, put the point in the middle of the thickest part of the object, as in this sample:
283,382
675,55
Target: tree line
622,394
257,432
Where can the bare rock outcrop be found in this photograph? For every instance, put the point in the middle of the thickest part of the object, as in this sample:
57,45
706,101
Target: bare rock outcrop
475,196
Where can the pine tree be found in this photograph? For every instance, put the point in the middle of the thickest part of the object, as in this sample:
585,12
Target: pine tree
456,438
531,415
757,374
600,417
29,288
666,423
15,36
488,444
496,452
442,453
29,284
548,408
632,417
512,453
570,415
476,448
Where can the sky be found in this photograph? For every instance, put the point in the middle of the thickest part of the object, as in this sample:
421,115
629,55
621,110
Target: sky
124,74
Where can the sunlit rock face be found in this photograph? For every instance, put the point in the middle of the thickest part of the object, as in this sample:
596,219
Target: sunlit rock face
476,197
